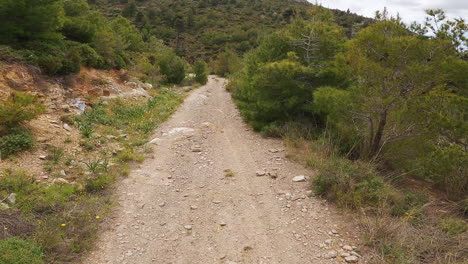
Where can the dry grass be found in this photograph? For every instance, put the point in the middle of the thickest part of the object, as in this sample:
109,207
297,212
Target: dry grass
229,173
13,224
405,226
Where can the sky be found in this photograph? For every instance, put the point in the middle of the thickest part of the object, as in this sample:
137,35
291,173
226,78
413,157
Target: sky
409,10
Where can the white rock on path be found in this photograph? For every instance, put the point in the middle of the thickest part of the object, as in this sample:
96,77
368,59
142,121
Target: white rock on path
155,141
331,254
348,248
11,198
4,206
260,173
351,259
300,178
66,127
196,148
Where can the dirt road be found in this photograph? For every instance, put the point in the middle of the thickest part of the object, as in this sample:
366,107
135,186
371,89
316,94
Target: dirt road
183,207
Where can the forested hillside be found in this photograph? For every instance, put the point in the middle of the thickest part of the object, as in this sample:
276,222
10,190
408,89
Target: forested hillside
206,28
62,36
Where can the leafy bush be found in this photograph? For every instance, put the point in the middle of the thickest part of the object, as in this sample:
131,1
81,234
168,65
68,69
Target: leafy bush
226,63
350,184
173,68
201,75
98,183
15,250
17,139
453,225
40,20
18,108
447,167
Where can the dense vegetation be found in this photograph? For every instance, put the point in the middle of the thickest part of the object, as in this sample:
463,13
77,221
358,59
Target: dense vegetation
386,106
61,36
206,28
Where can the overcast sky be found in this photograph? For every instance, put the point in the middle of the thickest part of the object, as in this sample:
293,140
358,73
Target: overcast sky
410,10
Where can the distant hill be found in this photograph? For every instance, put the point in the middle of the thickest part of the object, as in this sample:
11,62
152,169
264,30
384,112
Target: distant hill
204,28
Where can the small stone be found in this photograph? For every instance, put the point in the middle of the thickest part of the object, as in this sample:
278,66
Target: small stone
300,178
60,181
66,127
162,204
63,173
216,202
11,198
155,141
193,207
4,206
344,254
273,175
222,224
273,150
196,148
328,241
351,259
42,157
188,227
334,232
111,137
331,254
260,173
348,248
41,139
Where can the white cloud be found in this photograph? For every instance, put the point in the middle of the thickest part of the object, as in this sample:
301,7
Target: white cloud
408,10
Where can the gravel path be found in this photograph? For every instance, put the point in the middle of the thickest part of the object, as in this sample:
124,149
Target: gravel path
185,206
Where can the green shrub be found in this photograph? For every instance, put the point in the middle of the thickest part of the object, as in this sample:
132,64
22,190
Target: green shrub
15,181
201,75
99,183
17,108
129,155
18,139
410,204
15,250
350,184
49,63
46,199
32,196
120,62
447,167
9,54
173,67
226,63
453,225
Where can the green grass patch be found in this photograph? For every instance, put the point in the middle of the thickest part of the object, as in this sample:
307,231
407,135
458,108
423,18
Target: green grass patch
350,184
17,139
15,250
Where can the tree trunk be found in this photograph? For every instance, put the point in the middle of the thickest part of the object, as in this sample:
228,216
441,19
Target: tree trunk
376,144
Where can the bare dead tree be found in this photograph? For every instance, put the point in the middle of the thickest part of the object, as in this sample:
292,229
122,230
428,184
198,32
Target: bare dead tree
310,44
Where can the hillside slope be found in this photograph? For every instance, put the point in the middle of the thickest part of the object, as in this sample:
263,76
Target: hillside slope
207,27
